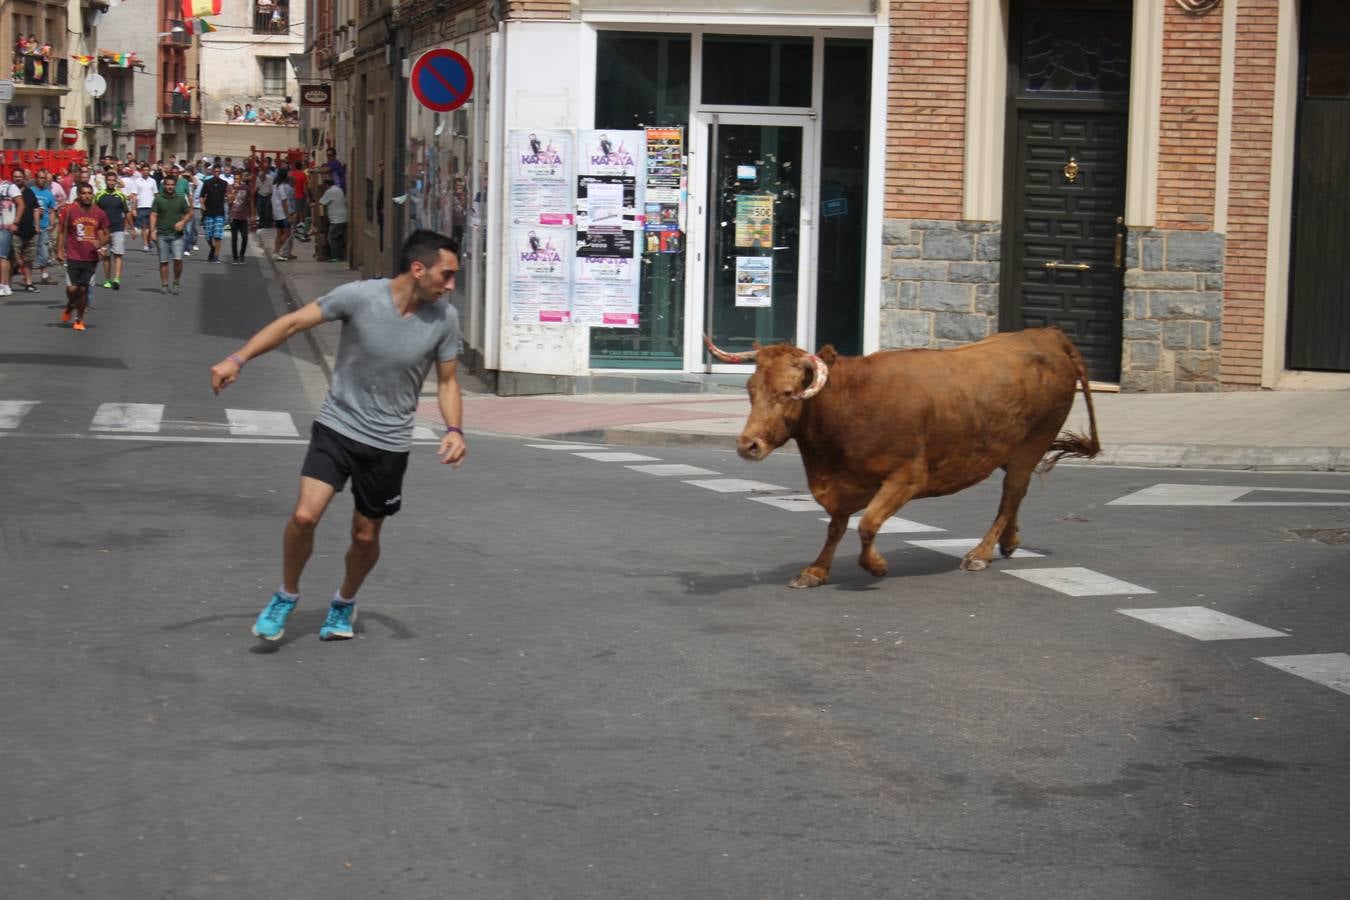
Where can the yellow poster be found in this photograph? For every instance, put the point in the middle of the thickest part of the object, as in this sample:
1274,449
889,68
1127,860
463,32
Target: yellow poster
754,220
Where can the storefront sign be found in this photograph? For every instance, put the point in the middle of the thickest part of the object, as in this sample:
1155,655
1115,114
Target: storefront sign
316,96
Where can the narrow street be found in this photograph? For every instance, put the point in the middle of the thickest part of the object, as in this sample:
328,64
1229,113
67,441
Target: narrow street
579,672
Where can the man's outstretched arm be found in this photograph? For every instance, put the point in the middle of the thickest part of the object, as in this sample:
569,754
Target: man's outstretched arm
269,337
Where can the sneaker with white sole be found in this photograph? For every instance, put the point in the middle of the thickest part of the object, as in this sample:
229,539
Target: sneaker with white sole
271,624
338,625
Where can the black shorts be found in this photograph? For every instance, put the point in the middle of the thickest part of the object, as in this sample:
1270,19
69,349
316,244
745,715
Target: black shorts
78,272
376,474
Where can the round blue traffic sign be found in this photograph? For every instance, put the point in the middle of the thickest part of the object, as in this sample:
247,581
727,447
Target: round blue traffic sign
442,80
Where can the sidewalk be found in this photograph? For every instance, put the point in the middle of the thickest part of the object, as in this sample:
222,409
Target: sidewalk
1273,430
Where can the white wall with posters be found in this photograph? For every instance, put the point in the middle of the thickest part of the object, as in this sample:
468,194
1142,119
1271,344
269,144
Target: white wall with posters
547,84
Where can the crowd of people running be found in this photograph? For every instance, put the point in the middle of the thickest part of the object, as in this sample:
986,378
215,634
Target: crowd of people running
88,216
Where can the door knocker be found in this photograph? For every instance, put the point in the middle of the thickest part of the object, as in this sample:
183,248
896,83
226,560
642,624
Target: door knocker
1071,171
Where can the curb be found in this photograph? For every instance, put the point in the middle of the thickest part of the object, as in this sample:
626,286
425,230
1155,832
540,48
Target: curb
294,302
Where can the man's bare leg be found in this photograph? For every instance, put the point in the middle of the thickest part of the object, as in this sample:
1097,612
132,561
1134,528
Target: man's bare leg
298,542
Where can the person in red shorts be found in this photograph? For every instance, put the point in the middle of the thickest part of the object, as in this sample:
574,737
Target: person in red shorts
80,241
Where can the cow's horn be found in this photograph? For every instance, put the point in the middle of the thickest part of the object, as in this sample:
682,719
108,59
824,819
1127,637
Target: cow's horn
822,375
724,356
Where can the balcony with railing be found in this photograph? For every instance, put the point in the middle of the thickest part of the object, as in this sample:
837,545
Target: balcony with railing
174,104
271,17
38,71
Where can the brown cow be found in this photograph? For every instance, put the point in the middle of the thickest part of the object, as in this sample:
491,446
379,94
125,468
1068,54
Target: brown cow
878,431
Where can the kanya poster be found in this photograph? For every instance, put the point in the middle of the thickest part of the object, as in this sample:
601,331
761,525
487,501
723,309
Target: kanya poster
541,177
540,273
607,267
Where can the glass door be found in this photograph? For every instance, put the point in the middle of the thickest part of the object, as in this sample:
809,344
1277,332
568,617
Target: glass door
759,240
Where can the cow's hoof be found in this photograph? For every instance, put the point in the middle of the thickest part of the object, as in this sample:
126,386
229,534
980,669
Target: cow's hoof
807,579
971,564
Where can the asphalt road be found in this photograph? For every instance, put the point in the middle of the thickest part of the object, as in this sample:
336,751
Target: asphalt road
576,679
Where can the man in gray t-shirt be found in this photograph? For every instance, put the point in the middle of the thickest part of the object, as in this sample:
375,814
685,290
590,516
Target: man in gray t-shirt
393,330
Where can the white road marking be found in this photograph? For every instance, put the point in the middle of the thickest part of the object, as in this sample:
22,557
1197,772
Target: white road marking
1329,669
261,423
13,411
1202,623
893,525
1077,581
735,485
664,469
423,433
565,446
1222,495
959,547
618,457
792,502
143,418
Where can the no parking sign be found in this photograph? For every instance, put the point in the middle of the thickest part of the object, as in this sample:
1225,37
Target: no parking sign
442,80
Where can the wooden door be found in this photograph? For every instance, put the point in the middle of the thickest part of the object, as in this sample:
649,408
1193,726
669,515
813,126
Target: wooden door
1319,289
1064,185
1065,266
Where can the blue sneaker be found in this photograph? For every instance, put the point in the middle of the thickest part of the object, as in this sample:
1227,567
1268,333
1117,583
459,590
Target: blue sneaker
338,625
271,624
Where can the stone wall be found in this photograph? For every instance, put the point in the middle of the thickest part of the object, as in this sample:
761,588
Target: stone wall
1173,311
939,283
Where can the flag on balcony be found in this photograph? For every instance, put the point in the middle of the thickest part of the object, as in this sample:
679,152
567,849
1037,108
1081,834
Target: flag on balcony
195,9
205,27
183,88
82,59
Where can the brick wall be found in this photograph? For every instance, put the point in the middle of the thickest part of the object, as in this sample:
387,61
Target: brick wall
1249,194
925,134
538,9
1188,143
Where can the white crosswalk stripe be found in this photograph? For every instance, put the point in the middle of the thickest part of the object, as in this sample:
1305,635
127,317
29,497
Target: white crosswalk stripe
791,502
959,547
565,446
893,525
1202,623
1329,669
1077,581
141,418
667,469
13,411
617,457
735,485
261,423
423,433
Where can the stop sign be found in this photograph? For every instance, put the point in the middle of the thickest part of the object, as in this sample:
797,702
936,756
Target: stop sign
70,136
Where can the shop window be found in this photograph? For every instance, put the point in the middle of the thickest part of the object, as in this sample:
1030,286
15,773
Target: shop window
642,81
746,70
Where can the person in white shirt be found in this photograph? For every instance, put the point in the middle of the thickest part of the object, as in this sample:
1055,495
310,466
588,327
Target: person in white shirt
11,210
145,188
334,204
281,214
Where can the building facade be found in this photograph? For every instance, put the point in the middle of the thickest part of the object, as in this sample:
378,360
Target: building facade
1162,180
246,65
37,38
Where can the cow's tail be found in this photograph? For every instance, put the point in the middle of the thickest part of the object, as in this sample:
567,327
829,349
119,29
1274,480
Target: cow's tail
1072,444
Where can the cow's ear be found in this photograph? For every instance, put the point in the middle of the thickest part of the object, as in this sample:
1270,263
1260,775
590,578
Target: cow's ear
828,354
